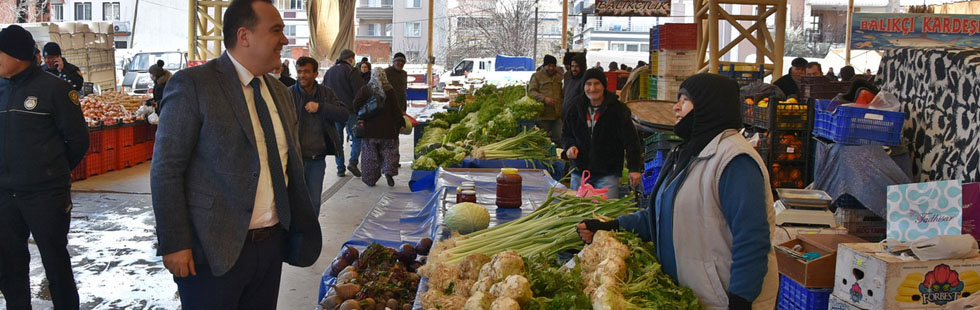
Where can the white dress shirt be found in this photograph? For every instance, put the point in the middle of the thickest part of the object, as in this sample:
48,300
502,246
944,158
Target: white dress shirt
264,213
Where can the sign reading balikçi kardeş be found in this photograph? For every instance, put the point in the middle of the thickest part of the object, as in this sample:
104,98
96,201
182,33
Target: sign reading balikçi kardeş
871,31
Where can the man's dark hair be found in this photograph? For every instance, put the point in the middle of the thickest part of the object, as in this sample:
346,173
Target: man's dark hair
815,64
846,73
303,61
239,14
799,62
613,66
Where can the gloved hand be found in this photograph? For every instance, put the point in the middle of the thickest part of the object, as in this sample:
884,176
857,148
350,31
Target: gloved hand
587,228
738,303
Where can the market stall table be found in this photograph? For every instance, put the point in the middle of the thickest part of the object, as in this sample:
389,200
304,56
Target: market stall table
425,179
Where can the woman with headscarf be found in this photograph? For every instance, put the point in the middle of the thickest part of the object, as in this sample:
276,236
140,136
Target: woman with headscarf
160,77
379,149
365,68
711,216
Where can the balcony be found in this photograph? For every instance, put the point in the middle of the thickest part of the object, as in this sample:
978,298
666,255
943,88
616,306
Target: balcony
365,12
386,39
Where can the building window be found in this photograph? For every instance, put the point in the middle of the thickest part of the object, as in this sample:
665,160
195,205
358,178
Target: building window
83,11
413,29
289,30
58,12
295,4
374,30
121,44
632,48
386,3
415,55
388,28
617,47
645,48
379,3
110,11
413,4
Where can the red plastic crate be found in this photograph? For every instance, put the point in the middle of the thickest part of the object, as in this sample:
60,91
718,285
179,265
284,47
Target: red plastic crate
140,130
95,140
109,160
110,138
125,136
94,164
674,36
128,156
79,173
147,150
151,132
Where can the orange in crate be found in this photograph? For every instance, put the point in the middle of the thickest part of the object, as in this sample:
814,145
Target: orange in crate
787,176
789,147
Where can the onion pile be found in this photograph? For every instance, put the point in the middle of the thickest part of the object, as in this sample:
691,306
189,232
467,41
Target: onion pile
111,108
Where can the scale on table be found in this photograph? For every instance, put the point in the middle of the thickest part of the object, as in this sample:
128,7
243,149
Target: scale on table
803,207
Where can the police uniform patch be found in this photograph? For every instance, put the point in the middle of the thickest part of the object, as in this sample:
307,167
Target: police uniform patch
73,95
30,103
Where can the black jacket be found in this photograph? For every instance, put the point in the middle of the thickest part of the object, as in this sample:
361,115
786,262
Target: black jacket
399,81
345,82
44,133
70,73
788,85
386,124
602,149
318,135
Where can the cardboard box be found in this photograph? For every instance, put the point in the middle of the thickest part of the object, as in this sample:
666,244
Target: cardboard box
971,209
867,277
787,233
818,273
837,303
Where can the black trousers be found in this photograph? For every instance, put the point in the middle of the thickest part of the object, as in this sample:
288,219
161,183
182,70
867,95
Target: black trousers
253,283
44,215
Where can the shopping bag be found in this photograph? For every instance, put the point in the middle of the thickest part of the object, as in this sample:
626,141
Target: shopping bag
924,210
587,190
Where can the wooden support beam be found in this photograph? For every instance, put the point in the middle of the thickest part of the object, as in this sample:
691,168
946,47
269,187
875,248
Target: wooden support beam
713,55
777,49
743,34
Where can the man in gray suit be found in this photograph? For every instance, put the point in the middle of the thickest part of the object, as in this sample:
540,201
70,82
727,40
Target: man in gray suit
229,194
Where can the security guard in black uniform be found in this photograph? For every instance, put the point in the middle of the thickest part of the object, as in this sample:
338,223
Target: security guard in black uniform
57,65
43,136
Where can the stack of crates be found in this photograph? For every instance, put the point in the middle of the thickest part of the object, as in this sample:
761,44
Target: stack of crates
743,74
673,57
784,137
656,147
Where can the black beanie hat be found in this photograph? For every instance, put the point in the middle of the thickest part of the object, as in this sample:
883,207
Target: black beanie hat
17,42
550,60
596,73
398,56
52,49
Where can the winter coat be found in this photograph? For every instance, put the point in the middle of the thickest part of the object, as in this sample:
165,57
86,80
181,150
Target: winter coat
318,134
399,81
541,86
387,124
602,149
344,81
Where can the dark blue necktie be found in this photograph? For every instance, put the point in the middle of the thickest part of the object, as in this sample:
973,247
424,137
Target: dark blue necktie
271,147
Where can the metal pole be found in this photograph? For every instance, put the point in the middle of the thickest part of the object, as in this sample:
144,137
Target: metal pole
847,45
429,60
534,55
191,34
564,24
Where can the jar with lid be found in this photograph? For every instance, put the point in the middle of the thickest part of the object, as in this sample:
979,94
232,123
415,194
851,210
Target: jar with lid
468,196
509,187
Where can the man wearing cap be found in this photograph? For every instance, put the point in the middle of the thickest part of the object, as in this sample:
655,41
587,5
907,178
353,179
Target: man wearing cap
344,81
598,133
57,65
44,138
790,83
545,86
398,79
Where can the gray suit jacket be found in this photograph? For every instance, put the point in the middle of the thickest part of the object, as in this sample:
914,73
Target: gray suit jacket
205,170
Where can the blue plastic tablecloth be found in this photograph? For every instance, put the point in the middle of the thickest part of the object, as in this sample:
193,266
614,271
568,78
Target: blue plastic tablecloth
408,217
425,179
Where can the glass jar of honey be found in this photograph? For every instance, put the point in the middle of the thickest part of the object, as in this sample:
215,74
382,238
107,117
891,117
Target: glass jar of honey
509,187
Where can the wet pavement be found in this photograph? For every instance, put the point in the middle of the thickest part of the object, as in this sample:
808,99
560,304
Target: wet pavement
112,240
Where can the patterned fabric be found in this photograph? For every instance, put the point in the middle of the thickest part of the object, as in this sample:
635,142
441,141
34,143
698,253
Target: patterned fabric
378,156
940,92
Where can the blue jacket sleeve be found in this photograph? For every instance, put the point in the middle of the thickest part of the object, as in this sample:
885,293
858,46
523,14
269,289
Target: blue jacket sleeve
639,223
743,202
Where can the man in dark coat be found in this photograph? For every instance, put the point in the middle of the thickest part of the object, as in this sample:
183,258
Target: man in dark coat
573,82
44,138
790,83
598,133
60,67
345,82
318,111
398,79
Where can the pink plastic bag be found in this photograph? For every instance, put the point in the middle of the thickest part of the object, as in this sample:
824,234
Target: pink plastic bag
587,190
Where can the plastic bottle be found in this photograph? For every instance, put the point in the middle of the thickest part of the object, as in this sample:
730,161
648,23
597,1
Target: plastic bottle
509,187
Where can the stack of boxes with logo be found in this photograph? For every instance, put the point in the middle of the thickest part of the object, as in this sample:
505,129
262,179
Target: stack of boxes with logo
673,58
940,214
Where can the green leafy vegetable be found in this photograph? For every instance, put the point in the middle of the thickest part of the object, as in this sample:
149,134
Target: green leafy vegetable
525,108
647,286
553,287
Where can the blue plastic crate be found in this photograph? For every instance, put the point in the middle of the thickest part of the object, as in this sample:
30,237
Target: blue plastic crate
853,125
650,179
793,296
655,38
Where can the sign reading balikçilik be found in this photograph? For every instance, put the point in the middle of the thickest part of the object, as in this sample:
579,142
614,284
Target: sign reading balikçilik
872,31
632,7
